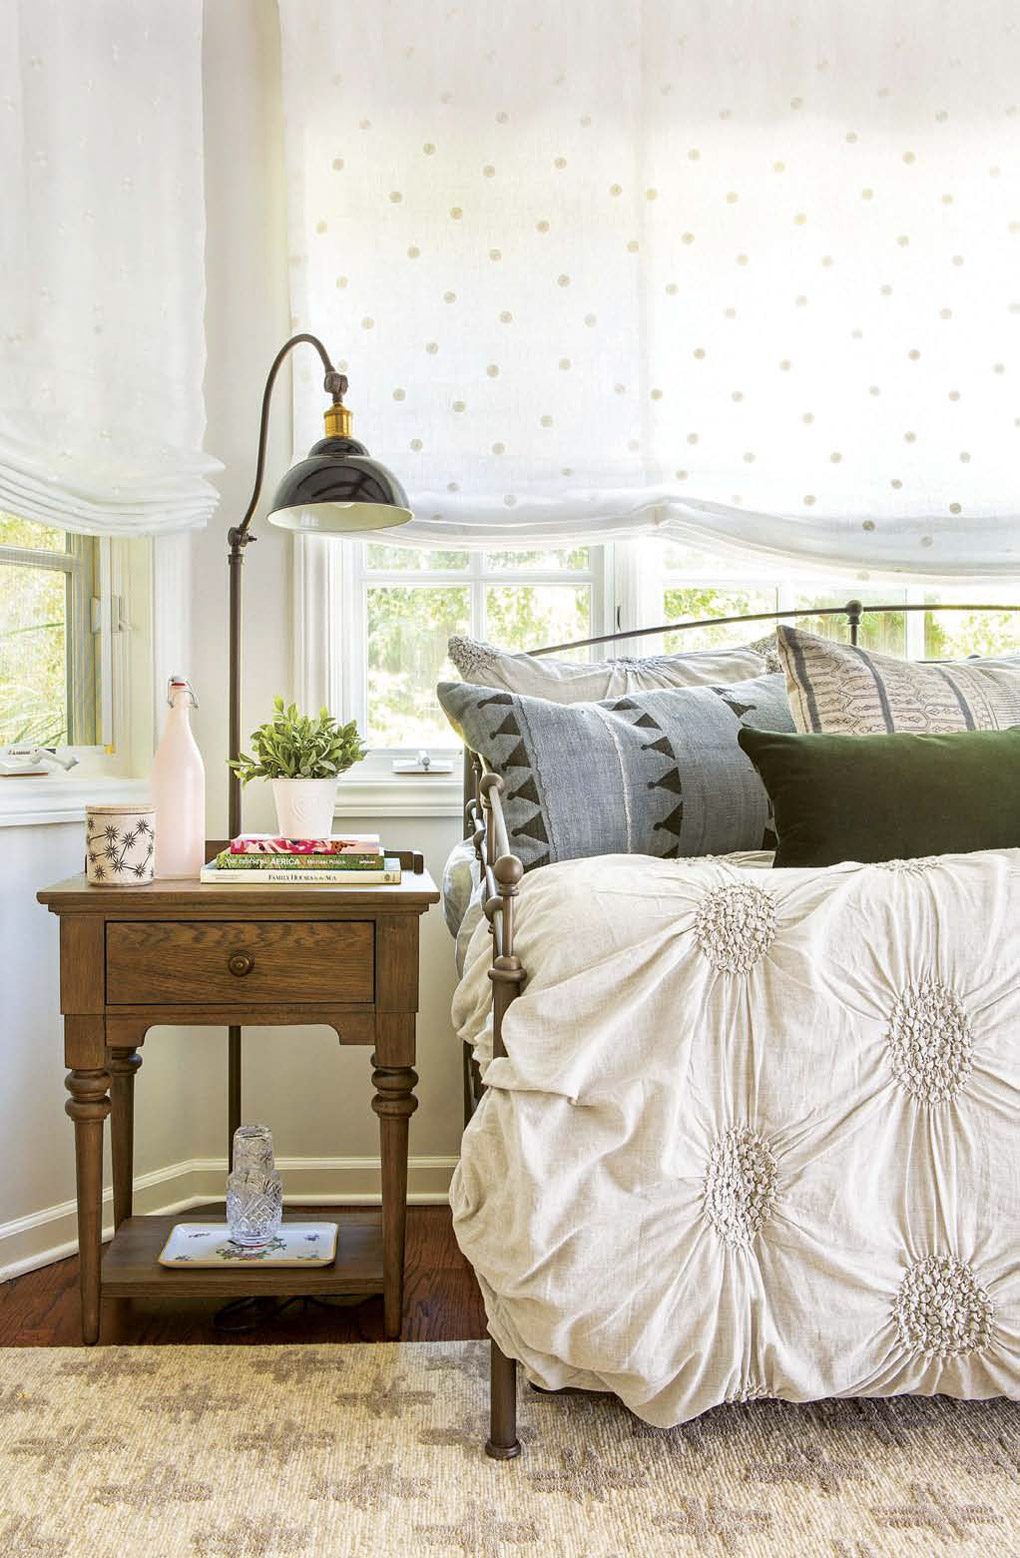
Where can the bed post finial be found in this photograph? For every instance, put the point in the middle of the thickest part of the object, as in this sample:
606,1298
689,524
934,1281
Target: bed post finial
508,871
506,968
506,974
854,613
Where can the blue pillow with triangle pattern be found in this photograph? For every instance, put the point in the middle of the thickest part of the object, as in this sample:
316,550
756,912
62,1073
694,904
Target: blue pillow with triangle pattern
652,773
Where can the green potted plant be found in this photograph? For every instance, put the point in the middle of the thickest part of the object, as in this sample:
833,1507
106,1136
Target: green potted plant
303,756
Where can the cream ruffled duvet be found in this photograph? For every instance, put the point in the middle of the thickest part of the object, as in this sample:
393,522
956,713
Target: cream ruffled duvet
757,1132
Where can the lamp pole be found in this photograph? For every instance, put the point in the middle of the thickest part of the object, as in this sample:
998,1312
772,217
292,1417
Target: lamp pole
239,537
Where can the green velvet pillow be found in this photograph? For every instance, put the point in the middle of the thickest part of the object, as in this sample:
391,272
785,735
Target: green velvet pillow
889,797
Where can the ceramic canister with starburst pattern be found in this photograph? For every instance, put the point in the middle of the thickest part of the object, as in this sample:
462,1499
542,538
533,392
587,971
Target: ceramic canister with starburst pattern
120,845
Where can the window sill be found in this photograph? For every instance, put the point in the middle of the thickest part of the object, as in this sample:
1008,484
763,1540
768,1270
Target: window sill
401,795
28,803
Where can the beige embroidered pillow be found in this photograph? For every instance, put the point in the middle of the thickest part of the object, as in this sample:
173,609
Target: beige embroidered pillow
568,681
839,690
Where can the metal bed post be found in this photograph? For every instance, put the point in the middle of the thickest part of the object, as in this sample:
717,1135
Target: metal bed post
507,976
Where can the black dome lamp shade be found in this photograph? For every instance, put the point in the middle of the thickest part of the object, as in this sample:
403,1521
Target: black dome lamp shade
338,490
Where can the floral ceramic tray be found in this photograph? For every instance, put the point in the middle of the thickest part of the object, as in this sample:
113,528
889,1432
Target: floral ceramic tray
209,1244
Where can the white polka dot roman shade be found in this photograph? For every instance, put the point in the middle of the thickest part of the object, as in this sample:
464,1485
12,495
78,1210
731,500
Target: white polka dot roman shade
102,237
747,272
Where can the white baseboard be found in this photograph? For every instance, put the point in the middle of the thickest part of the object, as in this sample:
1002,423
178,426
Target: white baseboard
51,1233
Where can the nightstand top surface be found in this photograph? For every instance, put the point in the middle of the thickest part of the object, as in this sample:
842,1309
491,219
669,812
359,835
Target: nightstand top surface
415,891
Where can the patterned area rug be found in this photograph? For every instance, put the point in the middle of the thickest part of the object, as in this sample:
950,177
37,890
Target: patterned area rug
295,1452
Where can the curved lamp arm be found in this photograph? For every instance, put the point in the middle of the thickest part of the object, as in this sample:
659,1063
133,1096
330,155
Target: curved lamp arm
334,384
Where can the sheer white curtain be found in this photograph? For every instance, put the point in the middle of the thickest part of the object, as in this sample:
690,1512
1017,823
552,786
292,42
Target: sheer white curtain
101,252
748,272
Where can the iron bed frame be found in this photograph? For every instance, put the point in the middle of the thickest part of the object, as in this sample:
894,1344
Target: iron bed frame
501,872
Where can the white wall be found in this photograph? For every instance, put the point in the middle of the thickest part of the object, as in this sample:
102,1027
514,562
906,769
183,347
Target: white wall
37,1219
315,1096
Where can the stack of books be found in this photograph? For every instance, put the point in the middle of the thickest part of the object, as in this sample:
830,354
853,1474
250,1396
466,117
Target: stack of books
255,859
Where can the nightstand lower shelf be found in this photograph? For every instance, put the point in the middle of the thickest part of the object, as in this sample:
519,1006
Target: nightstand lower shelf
131,1269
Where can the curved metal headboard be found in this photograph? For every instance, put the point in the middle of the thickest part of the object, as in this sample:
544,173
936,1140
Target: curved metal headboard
854,610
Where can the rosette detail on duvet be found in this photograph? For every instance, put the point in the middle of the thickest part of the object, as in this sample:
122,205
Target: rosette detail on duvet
757,1133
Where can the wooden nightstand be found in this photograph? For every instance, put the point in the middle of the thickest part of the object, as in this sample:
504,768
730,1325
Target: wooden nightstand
185,953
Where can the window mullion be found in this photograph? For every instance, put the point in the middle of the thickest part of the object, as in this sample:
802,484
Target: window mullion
914,623
370,576
105,645
476,593
24,557
354,686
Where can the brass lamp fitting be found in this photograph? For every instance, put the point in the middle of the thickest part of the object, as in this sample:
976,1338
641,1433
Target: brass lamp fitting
337,419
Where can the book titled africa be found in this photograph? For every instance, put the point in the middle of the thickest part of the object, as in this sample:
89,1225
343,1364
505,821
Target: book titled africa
261,864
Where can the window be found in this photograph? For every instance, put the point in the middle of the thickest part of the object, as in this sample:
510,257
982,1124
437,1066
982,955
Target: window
680,583
403,604
376,617
950,635
49,627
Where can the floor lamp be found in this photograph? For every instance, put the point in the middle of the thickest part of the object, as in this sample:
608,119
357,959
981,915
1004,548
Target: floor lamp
337,490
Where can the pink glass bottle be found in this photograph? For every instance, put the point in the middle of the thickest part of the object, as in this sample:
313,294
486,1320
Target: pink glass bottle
178,788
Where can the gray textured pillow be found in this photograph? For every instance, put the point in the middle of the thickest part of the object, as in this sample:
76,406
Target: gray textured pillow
655,773
842,691
568,681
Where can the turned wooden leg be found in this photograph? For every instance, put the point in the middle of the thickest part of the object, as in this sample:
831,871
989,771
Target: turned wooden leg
88,1107
122,1064
394,1103
502,1443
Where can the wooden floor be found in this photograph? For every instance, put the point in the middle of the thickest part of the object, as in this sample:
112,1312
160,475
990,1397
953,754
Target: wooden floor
441,1304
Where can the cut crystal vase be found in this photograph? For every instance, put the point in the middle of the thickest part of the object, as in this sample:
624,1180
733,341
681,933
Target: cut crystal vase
254,1188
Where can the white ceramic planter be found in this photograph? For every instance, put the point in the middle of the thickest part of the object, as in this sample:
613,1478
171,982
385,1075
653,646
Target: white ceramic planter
304,807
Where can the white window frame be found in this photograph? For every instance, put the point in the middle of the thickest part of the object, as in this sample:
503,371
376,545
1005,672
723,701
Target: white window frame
84,562
122,611
331,578
651,583
116,605
330,663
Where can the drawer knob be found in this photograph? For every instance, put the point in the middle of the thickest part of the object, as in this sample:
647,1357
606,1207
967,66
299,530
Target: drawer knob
241,963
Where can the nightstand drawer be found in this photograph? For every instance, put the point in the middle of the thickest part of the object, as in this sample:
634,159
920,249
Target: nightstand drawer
252,962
